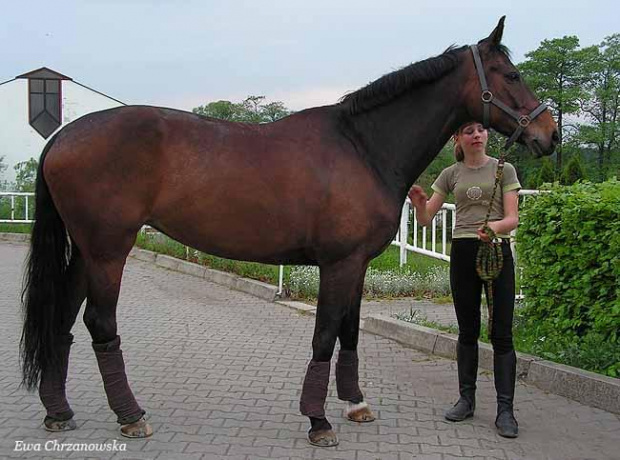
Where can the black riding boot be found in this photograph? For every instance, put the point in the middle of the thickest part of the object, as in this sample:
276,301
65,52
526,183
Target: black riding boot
467,363
505,367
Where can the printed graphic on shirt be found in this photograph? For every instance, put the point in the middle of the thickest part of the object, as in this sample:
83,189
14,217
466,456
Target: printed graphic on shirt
474,193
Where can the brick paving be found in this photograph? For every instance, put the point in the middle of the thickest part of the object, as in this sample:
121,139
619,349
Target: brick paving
219,373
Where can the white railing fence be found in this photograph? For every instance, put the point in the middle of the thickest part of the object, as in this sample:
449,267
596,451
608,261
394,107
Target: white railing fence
441,227
15,207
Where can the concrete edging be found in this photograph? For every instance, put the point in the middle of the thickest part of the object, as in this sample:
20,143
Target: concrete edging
256,288
579,385
15,237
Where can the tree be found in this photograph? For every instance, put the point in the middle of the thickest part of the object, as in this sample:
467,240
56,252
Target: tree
601,101
26,175
546,174
4,185
573,171
224,110
251,110
554,71
274,111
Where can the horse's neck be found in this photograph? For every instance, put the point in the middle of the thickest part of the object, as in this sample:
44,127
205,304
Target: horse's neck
401,138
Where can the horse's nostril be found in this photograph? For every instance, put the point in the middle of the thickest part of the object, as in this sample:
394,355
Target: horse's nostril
555,136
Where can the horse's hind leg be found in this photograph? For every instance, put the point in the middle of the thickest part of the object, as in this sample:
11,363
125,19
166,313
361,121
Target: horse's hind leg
53,379
340,286
347,366
104,279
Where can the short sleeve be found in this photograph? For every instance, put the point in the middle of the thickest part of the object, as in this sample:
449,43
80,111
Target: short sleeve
442,184
510,181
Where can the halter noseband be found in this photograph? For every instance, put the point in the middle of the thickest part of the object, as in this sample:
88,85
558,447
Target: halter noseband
487,97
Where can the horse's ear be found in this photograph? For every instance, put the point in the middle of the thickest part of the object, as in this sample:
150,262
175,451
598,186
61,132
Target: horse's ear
496,36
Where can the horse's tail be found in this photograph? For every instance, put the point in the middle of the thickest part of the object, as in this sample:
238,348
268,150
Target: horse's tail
45,289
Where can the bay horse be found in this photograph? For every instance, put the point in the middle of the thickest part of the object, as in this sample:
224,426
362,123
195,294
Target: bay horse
324,186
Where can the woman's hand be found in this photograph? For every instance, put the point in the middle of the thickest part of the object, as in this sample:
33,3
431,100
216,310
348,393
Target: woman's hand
418,197
484,236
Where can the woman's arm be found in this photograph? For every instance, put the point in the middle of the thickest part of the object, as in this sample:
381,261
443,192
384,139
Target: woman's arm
426,209
511,216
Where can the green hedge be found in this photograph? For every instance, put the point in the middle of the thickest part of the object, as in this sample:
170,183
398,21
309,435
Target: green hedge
569,248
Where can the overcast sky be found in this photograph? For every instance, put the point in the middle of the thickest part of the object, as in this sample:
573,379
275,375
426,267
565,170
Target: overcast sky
304,53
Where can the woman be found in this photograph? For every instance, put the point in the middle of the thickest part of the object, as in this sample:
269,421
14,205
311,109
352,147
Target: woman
471,180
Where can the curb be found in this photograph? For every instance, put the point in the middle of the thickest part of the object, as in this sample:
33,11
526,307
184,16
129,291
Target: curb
256,288
586,387
15,237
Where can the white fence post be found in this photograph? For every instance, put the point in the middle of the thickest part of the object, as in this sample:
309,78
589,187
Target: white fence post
404,232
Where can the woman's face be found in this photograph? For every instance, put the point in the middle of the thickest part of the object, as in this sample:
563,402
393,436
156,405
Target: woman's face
473,139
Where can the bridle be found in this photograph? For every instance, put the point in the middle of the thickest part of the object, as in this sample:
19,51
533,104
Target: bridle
488,98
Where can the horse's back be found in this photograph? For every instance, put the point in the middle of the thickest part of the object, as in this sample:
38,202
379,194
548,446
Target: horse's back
259,192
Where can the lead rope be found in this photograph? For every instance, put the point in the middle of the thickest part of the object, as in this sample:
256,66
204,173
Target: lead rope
489,259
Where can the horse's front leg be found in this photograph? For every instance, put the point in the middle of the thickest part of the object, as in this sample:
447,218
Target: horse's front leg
347,367
340,290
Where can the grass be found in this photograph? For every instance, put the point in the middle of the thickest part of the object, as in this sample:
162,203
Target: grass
164,245
15,228
385,278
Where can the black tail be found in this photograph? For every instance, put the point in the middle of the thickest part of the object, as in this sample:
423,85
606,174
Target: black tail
45,289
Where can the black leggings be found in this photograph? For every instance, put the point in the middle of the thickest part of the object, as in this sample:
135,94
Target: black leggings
467,290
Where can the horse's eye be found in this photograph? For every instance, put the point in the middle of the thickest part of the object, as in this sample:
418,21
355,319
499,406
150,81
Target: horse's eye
513,76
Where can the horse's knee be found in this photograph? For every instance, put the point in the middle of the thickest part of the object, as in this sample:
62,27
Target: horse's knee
102,329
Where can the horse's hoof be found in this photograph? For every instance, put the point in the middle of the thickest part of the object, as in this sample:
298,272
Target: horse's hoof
53,425
360,413
323,438
139,429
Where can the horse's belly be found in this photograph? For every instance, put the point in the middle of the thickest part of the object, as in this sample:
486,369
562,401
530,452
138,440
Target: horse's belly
242,236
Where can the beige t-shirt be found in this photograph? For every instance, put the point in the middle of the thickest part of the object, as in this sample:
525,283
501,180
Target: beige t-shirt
472,188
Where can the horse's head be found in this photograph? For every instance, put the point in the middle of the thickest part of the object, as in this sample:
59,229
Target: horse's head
497,96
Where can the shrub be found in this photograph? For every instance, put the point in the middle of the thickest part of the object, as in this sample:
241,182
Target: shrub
569,247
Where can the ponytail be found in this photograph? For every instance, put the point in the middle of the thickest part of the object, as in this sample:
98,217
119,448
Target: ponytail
458,152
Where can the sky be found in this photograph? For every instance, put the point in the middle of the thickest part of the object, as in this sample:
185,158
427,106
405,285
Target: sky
305,53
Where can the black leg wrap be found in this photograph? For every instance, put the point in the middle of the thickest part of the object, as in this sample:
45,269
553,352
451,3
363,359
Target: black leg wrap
314,390
112,368
347,377
53,379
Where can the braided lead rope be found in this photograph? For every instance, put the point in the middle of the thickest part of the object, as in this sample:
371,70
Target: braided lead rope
489,259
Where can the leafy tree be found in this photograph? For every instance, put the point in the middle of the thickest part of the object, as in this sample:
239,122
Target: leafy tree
554,71
26,175
274,111
573,171
546,174
4,184
224,110
601,101
251,110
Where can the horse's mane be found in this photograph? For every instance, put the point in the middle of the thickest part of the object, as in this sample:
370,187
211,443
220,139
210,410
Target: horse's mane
395,83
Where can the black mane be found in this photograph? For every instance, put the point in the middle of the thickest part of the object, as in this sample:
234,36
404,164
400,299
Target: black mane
395,83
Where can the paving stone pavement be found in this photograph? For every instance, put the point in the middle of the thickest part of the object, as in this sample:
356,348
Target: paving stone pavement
219,373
